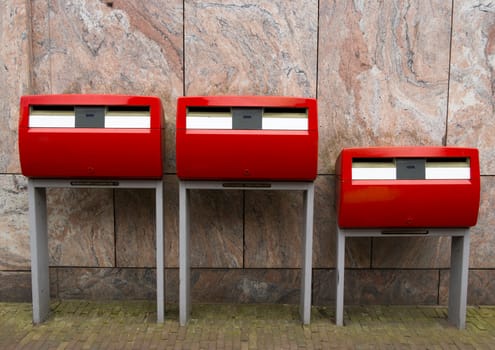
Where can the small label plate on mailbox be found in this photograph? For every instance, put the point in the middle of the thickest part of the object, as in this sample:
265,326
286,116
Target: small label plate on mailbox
411,168
247,118
90,117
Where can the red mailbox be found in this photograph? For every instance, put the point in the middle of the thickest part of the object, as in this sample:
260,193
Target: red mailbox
91,136
247,138
416,187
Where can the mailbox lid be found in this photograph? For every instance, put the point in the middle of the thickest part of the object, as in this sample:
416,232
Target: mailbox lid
92,100
123,138
279,141
183,103
446,196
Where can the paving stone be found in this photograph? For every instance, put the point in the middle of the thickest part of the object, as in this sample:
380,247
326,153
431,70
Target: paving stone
86,324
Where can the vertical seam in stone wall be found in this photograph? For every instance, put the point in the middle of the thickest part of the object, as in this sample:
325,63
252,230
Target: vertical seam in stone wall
184,48
243,229
114,229
50,46
438,286
57,283
317,46
449,75
29,33
371,252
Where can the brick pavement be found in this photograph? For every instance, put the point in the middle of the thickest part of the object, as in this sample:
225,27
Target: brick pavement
131,325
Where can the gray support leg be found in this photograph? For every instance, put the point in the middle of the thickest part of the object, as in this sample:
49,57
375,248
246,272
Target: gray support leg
160,255
39,252
459,265
184,260
305,307
339,273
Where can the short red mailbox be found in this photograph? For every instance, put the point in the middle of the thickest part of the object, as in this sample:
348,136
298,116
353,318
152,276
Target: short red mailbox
91,136
247,138
401,187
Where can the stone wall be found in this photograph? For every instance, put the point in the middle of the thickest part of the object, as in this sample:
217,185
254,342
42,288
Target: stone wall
418,72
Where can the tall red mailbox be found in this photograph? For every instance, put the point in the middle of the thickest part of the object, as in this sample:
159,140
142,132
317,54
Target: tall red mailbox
392,187
247,138
91,136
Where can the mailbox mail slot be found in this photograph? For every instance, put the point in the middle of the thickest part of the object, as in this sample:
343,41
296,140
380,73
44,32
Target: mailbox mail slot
415,187
90,136
247,138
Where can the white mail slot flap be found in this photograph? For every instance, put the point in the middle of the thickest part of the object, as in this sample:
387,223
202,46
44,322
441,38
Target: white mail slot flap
389,168
114,117
285,119
209,118
448,169
52,117
373,169
231,118
132,117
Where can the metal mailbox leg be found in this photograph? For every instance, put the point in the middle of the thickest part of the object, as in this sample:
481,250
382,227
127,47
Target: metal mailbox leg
39,252
305,307
339,278
184,260
160,255
459,264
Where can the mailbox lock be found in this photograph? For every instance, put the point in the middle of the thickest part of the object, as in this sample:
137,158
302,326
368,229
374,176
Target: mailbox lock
246,172
91,170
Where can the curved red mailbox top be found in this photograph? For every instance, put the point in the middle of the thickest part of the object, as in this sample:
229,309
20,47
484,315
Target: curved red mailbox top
247,138
91,136
408,187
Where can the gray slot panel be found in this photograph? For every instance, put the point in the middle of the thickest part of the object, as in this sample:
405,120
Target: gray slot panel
247,118
410,168
90,117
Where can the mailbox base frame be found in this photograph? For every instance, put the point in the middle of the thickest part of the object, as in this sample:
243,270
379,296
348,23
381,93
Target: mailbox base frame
38,232
184,236
459,268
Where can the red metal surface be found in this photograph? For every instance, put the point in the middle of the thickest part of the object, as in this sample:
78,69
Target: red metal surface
247,154
91,152
407,203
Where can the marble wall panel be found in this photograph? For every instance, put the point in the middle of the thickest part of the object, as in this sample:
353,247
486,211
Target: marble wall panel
379,287
482,252
273,229
172,285
53,273
15,77
358,250
323,289
106,283
471,119
324,223
481,287
81,227
131,47
14,228
135,234
258,47
171,224
216,228
401,287
207,285
382,78
246,286
411,252
41,47
15,286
